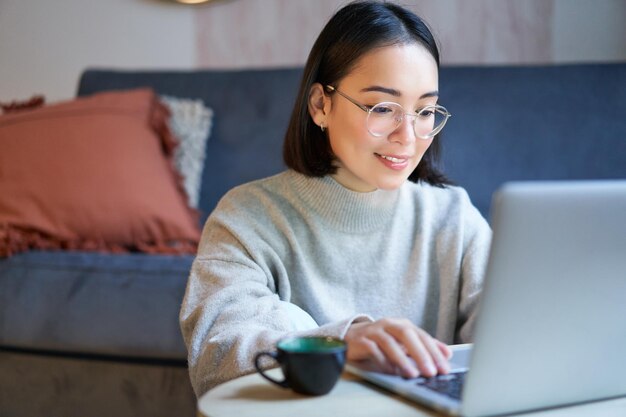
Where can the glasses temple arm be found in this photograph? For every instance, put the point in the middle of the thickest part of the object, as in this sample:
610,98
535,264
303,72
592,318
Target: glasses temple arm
350,99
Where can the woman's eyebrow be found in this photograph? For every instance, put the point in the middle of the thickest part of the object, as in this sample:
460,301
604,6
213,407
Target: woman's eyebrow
430,94
396,93
385,90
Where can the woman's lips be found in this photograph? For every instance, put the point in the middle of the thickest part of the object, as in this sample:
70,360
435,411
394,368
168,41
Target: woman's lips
395,162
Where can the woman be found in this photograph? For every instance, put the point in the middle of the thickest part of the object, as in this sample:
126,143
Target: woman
341,244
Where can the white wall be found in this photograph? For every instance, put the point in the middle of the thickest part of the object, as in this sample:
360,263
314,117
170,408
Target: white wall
586,30
46,44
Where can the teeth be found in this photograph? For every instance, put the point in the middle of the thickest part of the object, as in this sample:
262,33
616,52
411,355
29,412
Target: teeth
391,158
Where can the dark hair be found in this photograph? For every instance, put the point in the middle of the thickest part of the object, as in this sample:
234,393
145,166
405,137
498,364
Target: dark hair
353,31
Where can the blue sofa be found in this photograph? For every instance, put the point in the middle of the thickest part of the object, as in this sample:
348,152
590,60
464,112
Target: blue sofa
97,334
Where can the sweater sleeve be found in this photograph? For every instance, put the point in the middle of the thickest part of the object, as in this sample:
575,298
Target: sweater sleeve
232,310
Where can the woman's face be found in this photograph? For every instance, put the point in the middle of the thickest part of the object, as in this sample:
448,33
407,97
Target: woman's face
404,74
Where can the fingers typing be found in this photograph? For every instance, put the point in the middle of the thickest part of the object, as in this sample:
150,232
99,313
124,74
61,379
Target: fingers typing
397,345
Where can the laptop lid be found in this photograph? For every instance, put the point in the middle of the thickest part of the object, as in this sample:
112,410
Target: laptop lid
551,328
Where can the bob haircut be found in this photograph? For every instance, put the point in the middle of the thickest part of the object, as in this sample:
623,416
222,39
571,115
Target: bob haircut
354,30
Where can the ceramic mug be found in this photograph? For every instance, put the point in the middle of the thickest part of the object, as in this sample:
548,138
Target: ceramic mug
310,365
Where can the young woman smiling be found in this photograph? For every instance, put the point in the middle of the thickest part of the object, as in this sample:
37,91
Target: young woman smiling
362,238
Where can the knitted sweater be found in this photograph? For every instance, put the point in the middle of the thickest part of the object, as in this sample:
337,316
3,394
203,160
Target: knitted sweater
295,255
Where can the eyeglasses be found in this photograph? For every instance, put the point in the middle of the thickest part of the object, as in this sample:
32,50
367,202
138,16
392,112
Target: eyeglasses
384,118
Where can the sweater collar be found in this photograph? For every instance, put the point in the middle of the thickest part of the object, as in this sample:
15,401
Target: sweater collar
344,209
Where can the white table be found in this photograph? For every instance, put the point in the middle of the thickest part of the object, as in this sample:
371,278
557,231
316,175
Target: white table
252,395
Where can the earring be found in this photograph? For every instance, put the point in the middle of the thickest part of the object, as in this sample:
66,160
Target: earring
322,127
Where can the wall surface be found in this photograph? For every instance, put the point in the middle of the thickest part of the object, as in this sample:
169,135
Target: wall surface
45,45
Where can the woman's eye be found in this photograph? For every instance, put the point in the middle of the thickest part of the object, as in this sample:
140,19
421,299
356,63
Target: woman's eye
382,110
425,113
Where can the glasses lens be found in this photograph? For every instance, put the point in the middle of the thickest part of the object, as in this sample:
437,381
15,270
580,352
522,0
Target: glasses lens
384,118
430,120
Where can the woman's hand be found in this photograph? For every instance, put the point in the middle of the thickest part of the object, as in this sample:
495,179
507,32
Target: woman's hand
397,346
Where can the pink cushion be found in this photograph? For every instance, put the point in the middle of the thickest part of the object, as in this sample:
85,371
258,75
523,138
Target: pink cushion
93,173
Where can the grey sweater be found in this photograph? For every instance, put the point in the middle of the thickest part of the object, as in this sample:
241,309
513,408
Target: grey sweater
294,255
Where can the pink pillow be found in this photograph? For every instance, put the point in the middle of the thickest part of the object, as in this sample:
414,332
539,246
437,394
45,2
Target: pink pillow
93,173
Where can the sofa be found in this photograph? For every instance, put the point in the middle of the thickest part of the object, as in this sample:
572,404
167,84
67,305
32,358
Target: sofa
89,333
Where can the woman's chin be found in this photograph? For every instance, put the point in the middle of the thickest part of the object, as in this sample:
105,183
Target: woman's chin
391,185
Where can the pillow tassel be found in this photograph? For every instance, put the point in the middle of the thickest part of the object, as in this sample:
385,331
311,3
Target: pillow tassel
16,240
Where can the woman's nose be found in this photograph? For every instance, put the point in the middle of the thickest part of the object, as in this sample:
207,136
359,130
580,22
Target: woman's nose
405,132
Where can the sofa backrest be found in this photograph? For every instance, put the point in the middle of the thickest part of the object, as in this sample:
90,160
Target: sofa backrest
508,123
533,123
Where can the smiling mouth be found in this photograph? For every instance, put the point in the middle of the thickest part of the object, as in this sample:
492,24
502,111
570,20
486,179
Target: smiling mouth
392,159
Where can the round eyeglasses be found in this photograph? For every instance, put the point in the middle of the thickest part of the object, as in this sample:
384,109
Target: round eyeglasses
384,118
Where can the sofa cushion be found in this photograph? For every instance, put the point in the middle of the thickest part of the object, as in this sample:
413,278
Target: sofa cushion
251,111
109,304
93,174
190,121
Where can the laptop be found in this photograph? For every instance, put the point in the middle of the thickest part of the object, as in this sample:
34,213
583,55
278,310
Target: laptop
551,325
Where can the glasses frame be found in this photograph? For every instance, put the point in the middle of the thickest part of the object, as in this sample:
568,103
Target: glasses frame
368,110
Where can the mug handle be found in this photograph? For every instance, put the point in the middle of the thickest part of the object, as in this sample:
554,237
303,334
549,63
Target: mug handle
257,365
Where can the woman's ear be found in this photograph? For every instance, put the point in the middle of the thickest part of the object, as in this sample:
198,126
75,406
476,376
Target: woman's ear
319,105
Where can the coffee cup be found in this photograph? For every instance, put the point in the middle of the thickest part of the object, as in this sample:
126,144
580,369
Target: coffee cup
310,365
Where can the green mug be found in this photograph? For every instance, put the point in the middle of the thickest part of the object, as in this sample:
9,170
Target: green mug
310,365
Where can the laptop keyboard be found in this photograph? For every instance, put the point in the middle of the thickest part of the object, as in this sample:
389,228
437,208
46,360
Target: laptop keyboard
450,384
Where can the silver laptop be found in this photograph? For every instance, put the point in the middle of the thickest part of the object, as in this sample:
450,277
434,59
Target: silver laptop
551,327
